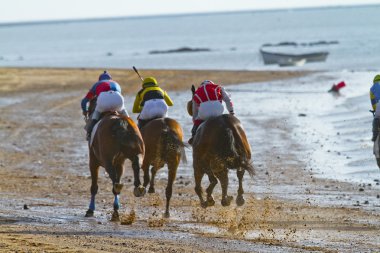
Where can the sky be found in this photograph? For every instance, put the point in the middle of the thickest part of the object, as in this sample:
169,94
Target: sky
38,10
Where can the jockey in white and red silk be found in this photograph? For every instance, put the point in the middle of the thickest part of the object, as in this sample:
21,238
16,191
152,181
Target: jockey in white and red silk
109,98
207,102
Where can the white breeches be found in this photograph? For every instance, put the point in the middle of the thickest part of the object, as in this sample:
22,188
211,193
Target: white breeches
154,108
210,109
109,101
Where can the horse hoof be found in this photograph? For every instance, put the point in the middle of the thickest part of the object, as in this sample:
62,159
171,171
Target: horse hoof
115,216
204,204
166,214
210,201
240,201
151,190
89,213
227,201
139,191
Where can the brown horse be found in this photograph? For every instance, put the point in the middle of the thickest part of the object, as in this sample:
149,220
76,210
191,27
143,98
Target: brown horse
220,144
116,139
163,145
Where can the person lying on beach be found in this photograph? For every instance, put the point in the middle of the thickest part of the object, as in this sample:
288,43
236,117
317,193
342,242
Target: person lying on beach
374,94
112,101
207,102
151,102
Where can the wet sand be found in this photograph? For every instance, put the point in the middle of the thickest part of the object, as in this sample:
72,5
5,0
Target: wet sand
45,182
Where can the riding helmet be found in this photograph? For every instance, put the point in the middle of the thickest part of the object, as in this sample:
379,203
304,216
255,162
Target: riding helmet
105,76
376,79
149,81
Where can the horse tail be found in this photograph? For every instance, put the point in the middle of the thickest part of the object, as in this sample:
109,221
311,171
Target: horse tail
235,153
125,133
172,144
248,166
228,149
120,131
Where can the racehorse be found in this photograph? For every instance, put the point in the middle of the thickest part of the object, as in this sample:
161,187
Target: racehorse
163,138
220,144
116,139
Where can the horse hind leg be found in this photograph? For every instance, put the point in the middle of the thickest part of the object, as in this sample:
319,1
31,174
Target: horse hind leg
116,189
223,178
172,167
240,199
198,175
116,206
139,190
145,169
213,181
94,170
151,183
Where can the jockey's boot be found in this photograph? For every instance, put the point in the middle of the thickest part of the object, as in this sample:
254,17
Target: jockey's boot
375,128
141,123
193,132
90,127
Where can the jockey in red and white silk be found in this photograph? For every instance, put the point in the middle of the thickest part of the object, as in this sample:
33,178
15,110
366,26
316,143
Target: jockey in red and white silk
207,102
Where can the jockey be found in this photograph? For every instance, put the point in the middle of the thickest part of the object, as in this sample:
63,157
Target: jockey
151,102
374,94
207,102
112,100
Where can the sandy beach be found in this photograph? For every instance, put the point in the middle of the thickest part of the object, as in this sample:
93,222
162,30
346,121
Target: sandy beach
45,188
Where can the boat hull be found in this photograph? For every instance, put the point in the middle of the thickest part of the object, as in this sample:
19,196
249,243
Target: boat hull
288,59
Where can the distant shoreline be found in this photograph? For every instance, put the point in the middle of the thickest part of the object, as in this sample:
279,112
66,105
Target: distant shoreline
39,79
105,19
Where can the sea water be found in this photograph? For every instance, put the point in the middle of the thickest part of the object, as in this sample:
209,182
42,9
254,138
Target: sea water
232,40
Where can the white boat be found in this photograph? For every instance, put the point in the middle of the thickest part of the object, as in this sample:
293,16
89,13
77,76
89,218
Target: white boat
289,59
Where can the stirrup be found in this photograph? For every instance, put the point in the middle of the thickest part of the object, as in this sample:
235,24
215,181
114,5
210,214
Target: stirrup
190,141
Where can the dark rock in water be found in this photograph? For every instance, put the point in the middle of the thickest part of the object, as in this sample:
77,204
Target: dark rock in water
301,115
180,50
26,207
109,54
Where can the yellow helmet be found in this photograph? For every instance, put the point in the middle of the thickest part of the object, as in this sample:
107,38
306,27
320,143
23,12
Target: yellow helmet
376,79
149,81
